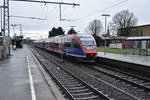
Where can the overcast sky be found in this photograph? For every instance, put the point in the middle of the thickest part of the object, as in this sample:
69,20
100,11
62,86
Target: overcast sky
81,15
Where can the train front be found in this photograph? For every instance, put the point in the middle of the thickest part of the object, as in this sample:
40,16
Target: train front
89,47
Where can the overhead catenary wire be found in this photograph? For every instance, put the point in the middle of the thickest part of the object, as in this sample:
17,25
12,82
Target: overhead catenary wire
102,10
48,2
27,17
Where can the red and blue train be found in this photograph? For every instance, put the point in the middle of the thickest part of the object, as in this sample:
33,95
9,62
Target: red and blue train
80,46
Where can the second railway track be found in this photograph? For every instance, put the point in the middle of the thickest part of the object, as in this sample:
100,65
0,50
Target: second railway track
101,83
130,84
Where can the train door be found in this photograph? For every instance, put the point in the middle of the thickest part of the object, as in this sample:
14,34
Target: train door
76,48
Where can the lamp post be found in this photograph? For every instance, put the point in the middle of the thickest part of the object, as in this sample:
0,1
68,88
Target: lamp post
105,15
20,29
13,25
1,18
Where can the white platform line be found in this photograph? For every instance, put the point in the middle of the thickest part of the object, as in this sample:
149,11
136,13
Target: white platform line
33,95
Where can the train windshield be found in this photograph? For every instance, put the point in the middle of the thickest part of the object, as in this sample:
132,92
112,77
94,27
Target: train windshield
88,42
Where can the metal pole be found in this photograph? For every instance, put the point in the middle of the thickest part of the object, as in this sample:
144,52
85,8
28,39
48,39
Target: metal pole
14,30
146,47
20,30
1,18
13,25
4,18
105,15
8,22
62,55
60,11
105,36
9,49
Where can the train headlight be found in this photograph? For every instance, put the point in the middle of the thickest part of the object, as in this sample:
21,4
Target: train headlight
89,47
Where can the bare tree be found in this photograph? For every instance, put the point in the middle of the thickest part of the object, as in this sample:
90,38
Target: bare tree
95,27
123,22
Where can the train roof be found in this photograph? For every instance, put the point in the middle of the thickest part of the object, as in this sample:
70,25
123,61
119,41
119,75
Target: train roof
56,38
84,35
72,35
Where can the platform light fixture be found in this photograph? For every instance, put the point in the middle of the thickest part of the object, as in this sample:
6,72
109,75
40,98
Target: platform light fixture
105,35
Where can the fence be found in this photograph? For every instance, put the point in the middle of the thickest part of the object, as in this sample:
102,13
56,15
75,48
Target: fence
132,45
138,47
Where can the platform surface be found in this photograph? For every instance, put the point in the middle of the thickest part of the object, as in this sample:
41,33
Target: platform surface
137,59
15,82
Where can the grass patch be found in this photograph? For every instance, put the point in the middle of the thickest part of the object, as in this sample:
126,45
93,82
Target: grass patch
115,50
124,51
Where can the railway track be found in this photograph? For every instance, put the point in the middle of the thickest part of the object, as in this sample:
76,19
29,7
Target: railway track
132,85
109,90
136,69
134,79
73,87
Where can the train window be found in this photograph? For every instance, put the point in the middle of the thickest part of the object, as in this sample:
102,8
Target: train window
55,45
67,44
64,44
87,41
75,44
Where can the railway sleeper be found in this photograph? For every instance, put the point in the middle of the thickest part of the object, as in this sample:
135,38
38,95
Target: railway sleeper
70,83
146,84
69,78
80,91
139,81
134,79
67,81
86,94
143,84
89,98
73,85
76,88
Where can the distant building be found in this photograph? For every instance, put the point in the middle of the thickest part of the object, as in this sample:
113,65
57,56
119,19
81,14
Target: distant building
142,30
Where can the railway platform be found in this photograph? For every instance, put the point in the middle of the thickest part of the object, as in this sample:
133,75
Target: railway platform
136,59
23,78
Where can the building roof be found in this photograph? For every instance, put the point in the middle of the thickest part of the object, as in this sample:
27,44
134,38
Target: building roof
139,38
118,38
142,25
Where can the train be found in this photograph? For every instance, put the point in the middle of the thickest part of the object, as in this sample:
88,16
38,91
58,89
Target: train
80,46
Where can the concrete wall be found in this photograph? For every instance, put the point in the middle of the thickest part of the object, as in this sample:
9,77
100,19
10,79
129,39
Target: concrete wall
143,31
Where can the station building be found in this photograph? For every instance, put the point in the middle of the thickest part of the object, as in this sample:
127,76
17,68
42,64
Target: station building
138,40
142,30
